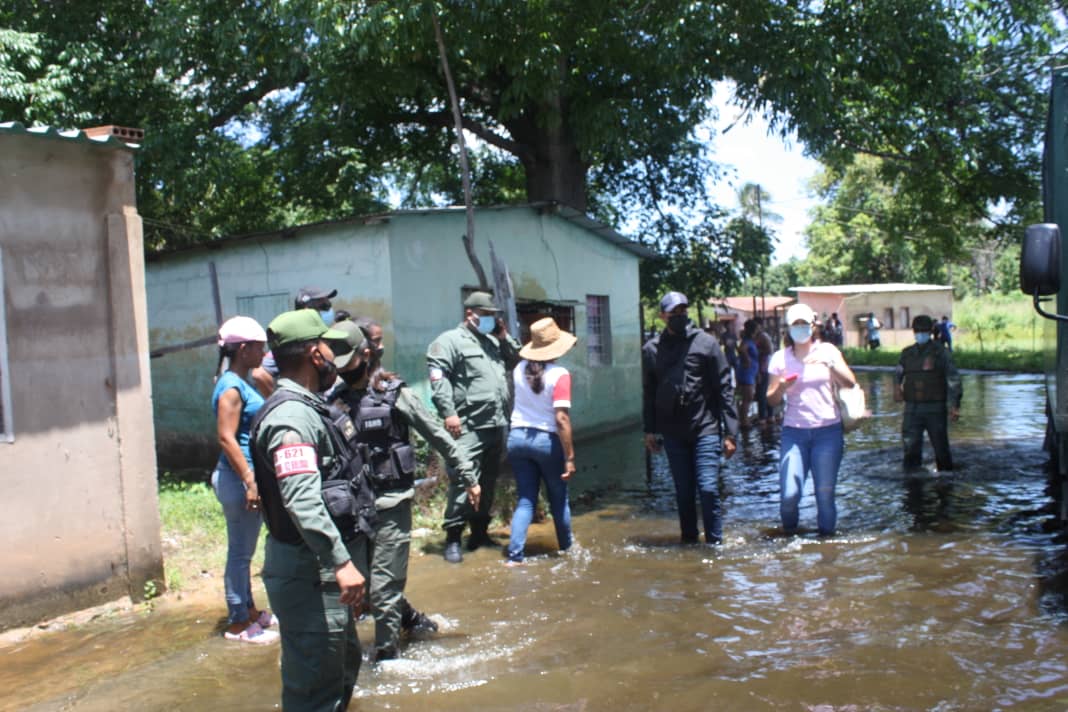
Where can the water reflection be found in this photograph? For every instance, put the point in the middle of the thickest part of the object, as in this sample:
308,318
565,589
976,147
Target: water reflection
941,591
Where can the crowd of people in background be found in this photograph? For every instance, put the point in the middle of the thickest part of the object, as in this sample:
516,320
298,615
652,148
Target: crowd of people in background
802,386
314,437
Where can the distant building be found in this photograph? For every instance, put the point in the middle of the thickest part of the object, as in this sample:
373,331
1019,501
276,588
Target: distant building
79,516
894,305
408,270
733,312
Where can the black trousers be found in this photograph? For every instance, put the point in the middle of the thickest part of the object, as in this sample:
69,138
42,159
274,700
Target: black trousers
933,417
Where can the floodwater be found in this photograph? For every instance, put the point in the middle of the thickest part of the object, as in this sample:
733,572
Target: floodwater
941,592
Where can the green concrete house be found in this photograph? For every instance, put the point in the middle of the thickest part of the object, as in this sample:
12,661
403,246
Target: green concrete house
409,271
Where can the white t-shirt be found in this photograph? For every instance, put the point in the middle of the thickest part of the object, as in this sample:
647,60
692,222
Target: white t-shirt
810,400
538,410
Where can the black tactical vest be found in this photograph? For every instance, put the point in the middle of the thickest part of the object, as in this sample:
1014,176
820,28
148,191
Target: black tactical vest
924,374
346,491
383,437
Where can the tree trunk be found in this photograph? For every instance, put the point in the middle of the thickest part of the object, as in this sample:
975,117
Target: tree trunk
556,172
552,162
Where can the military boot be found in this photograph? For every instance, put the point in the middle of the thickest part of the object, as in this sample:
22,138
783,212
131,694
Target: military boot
385,653
415,623
452,545
479,536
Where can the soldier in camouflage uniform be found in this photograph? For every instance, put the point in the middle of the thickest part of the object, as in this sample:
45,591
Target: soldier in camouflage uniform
470,375
928,382
319,510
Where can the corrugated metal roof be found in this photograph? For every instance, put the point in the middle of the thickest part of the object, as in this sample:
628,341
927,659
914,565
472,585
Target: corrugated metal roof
873,288
570,214
75,135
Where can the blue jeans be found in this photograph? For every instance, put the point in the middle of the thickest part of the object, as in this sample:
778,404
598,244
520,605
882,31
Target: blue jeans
695,469
537,456
818,450
242,533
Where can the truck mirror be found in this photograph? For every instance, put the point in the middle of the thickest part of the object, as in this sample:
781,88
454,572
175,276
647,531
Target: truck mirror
1040,260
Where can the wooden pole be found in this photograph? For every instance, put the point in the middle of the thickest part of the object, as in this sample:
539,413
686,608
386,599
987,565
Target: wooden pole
469,237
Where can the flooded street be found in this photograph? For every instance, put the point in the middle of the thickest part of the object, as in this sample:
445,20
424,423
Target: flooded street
940,592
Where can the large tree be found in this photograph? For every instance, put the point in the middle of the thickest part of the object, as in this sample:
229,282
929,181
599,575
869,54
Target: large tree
870,228
266,112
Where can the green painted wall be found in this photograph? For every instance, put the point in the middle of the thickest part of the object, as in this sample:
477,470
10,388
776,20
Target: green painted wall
406,270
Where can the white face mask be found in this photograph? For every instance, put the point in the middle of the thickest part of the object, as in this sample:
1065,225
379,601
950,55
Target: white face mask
800,333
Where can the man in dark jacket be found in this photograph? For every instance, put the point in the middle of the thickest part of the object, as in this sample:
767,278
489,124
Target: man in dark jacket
928,382
688,399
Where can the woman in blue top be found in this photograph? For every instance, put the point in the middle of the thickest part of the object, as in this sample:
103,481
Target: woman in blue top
235,402
745,371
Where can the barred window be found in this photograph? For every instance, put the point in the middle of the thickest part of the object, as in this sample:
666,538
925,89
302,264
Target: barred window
598,331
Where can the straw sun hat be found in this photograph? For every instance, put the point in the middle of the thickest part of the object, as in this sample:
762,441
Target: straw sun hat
547,341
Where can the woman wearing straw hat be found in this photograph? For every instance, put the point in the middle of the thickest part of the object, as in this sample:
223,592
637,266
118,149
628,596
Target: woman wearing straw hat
540,447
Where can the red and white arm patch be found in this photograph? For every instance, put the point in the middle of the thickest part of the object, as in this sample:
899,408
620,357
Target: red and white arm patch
298,459
436,374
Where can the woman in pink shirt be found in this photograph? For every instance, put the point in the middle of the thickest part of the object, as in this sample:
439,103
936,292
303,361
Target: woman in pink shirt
540,447
812,436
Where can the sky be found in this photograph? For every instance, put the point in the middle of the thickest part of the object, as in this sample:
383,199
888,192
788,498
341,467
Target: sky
780,168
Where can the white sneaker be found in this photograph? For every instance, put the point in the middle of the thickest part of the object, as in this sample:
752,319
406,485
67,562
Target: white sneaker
254,634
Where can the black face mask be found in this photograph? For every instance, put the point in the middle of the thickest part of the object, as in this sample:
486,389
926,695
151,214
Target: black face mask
327,373
355,375
677,323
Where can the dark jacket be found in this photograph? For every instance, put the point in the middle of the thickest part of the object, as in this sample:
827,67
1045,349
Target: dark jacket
686,386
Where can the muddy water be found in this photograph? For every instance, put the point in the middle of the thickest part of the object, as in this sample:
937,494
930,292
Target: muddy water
942,591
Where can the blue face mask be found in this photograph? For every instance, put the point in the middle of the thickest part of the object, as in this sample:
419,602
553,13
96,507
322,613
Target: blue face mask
922,337
486,324
801,333
328,316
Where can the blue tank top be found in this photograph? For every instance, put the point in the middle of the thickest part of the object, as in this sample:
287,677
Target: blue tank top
251,400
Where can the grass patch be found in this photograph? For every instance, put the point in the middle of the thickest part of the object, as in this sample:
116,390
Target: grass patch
1001,360
193,529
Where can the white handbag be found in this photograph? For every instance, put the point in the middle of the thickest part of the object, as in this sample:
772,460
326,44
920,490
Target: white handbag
851,406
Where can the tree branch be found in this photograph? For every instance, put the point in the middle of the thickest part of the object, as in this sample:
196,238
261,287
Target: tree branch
253,95
443,119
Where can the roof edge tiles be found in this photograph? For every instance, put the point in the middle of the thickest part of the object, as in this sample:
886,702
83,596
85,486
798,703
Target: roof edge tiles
92,137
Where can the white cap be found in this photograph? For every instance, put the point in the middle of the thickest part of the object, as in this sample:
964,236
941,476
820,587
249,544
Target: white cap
239,329
800,312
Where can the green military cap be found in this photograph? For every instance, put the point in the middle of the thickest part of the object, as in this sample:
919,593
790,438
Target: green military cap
300,325
922,322
480,300
355,338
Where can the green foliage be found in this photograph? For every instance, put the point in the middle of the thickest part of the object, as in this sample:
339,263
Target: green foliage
30,88
950,94
867,231
268,113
